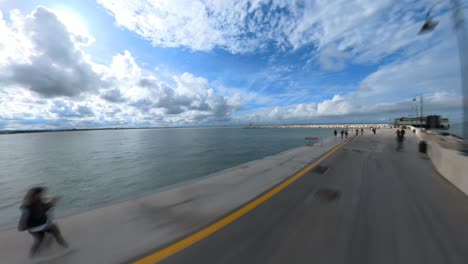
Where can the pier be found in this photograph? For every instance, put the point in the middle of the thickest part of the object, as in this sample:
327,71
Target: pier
344,201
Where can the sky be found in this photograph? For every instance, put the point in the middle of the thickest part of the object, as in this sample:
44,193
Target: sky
159,63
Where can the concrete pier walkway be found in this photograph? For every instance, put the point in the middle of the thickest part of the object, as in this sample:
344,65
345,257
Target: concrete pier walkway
368,202
383,205
119,233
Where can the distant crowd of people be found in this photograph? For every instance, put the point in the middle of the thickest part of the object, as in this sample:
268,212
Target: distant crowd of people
344,132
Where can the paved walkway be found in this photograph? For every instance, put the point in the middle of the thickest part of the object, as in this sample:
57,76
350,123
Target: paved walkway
393,208
118,233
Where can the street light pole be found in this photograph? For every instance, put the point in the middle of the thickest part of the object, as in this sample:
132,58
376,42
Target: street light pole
462,40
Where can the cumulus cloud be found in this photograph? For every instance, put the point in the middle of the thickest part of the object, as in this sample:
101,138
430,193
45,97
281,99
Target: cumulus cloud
190,94
336,106
67,109
113,96
50,62
343,109
49,80
124,67
361,31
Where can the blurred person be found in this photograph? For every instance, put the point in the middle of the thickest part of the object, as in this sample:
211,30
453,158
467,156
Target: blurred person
399,138
34,218
398,133
336,133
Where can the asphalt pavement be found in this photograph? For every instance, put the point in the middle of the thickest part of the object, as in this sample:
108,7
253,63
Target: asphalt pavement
367,203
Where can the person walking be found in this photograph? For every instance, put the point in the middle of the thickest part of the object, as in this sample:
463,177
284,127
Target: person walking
342,134
399,139
402,132
34,218
336,133
362,131
357,132
346,133
374,130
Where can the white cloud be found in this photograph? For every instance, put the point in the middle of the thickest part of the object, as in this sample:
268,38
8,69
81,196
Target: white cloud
360,31
344,109
124,67
49,61
48,80
331,58
336,106
434,70
190,94
388,91
69,109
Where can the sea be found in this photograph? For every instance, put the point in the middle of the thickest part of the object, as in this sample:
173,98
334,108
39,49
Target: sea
89,169
454,129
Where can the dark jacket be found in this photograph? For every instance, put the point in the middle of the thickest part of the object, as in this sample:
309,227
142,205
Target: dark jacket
34,214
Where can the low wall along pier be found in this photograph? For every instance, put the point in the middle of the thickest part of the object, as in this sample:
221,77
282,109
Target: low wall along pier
445,157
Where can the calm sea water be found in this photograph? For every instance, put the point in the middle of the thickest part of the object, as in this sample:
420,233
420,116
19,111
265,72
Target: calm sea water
92,168
455,129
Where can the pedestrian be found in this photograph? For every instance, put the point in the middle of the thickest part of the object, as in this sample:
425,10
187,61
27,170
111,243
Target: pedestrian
336,133
402,132
34,218
374,130
399,139
346,133
357,132
362,131
342,133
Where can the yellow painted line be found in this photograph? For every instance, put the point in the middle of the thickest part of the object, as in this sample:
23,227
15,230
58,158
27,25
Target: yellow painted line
205,232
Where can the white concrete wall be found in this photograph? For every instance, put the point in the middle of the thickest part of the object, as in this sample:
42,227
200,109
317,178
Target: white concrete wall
450,164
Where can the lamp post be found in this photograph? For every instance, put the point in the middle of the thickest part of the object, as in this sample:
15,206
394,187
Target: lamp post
462,40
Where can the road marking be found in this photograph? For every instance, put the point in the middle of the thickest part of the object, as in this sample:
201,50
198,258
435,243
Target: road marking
207,231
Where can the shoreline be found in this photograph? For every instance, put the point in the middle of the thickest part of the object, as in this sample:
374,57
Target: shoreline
170,212
161,189
32,131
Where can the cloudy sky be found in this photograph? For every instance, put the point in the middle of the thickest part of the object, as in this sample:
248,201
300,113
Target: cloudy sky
109,63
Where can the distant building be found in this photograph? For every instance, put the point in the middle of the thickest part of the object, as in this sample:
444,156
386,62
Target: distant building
432,121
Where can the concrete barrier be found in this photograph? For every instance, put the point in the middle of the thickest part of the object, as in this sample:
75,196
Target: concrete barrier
450,164
447,161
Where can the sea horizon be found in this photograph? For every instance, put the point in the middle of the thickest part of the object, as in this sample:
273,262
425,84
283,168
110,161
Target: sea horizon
13,131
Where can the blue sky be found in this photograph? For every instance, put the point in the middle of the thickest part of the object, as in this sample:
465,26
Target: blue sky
174,63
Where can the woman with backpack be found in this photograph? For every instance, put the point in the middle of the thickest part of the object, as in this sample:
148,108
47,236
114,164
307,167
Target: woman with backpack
34,218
